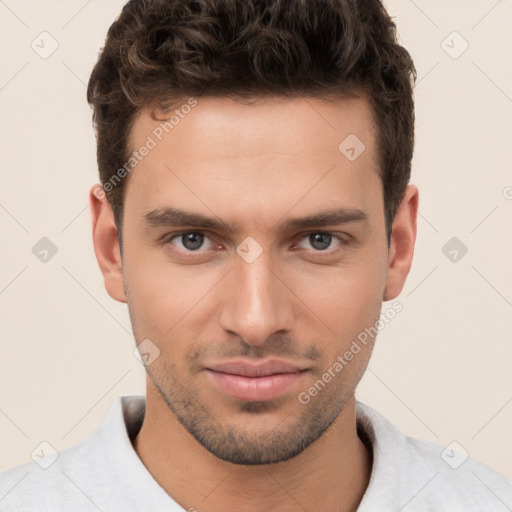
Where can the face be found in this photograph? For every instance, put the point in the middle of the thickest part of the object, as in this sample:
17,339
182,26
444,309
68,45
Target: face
251,307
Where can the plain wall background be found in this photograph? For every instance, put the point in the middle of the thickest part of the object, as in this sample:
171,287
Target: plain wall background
441,369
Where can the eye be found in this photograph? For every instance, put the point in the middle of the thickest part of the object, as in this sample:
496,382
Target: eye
320,241
190,241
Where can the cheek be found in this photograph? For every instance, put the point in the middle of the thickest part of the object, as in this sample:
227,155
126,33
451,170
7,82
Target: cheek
350,307
166,298
344,300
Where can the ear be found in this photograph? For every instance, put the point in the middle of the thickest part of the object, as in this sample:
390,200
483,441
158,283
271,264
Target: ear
403,238
106,244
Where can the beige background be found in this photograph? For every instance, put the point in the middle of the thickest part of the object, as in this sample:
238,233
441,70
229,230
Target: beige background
441,370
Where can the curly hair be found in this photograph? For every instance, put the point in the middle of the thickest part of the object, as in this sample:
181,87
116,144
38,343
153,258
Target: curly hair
160,51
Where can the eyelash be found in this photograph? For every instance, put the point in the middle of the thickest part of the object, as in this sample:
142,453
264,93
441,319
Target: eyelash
343,241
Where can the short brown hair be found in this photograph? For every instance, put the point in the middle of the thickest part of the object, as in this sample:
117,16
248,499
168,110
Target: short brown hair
160,50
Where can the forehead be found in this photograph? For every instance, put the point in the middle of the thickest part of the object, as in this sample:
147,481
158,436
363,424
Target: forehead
229,126
273,151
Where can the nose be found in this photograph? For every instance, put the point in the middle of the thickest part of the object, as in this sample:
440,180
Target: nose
257,302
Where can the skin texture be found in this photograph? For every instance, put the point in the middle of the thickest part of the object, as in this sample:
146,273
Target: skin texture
255,165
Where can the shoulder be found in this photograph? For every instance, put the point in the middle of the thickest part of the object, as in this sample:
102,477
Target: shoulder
47,483
419,475
460,480
72,477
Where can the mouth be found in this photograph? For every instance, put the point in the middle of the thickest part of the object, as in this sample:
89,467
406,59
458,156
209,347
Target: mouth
246,380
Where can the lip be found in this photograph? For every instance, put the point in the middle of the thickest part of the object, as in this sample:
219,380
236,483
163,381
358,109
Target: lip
247,368
247,380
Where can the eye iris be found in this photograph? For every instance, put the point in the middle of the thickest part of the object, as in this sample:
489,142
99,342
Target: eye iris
324,240
192,241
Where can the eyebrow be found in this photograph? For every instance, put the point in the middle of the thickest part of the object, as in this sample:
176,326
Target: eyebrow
176,218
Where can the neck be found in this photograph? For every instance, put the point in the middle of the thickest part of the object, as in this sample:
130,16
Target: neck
330,475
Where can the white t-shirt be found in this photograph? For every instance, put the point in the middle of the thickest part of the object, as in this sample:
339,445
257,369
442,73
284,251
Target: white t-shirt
104,473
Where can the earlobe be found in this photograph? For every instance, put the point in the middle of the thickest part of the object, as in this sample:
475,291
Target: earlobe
403,238
106,243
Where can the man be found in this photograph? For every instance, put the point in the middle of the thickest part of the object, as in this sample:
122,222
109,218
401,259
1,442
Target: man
255,212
